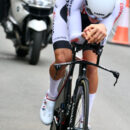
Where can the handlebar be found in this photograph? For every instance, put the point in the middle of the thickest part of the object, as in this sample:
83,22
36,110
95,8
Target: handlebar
115,73
97,48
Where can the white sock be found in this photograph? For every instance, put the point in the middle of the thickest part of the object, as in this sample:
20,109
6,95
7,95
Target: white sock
91,100
53,90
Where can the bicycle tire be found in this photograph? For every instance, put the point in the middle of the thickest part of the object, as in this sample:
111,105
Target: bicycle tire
60,99
81,92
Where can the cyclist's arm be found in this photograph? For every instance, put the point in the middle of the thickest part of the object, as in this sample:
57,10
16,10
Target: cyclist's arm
74,21
108,22
98,32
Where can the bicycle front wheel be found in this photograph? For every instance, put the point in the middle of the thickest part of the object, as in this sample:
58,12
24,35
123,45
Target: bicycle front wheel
80,107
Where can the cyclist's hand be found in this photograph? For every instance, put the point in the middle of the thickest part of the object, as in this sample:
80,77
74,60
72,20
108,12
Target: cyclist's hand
95,33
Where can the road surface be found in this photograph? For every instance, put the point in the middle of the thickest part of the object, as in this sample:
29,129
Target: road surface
22,88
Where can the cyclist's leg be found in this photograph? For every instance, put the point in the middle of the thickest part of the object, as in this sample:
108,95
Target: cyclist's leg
92,72
61,45
63,53
92,75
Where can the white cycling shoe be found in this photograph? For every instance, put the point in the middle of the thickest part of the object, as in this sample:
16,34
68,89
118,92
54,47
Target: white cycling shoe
47,111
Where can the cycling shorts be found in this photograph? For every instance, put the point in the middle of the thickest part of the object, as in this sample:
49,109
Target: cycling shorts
60,35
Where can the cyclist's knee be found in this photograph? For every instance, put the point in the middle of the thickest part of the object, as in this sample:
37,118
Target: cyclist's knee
63,55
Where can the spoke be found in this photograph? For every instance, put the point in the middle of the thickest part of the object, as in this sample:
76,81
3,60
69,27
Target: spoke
79,112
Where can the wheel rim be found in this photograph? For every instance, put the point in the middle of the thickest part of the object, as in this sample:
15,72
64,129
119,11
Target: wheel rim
78,125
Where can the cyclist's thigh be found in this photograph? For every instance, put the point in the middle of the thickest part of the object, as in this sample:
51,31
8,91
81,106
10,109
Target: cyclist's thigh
60,29
60,38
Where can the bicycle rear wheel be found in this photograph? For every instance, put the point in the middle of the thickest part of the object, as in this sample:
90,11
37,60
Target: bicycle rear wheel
80,107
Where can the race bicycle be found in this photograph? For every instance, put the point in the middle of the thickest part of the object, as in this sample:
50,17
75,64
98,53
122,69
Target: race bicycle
72,105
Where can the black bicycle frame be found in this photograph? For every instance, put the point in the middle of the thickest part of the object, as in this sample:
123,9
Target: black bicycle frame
82,74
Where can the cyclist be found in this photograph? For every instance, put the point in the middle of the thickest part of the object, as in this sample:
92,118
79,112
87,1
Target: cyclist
94,20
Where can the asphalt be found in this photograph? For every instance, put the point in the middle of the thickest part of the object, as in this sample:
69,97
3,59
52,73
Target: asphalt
23,86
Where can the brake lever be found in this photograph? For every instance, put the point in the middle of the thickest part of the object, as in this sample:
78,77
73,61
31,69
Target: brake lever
57,67
116,75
